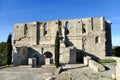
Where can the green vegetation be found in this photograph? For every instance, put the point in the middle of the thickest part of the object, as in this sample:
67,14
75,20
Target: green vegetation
107,61
9,50
57,48
116,51
2,52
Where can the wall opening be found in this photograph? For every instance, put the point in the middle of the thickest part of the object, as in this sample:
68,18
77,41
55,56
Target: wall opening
48,58
37,58
83,28
45,29
25,29
67,28
79,56
23,51
67,25
48,55
97,40
59,28
17,26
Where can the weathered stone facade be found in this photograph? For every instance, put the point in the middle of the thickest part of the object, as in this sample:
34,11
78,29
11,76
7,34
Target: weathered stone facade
79,37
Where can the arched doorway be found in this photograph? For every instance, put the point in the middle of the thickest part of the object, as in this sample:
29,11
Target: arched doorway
37,58
48,56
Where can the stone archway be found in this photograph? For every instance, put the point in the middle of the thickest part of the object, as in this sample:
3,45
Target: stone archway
37,58
48,54
48,58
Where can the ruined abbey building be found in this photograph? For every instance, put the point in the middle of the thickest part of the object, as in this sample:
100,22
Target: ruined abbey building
78,38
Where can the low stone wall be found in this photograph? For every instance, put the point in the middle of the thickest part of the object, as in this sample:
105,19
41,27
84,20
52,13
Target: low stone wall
47,61
117,67
96,66
86,60
93,64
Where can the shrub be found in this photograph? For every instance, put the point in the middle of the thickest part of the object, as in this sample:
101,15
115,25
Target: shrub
2,52
9,50
116,51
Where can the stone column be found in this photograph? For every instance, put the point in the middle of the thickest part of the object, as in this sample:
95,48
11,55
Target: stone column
86,60
72,55
33,62
47,61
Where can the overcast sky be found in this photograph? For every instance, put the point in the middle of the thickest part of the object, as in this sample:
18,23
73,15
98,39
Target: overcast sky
21,11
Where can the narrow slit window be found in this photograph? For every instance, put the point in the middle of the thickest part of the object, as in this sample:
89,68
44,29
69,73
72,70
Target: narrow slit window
97,40
25,29
67,25
45,29
84,30
67,28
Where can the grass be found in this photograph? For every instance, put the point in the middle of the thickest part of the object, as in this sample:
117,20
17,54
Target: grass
107,61
5,66
110,61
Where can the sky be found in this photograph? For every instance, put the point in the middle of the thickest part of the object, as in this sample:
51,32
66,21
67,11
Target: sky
21,11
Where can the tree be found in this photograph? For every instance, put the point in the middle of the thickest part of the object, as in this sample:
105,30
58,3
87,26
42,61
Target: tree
116,51
9,50
2,52
57,48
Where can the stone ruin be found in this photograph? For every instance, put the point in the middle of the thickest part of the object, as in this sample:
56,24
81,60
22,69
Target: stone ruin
78,38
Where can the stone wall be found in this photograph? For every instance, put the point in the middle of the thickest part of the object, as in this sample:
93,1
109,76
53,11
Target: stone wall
64,55
90,35
20,55
93,64
96,66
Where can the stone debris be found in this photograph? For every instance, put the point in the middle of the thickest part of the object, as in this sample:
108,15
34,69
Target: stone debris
96,66
68,72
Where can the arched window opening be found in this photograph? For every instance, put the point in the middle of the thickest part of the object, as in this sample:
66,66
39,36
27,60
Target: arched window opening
66,28
97,40
37,58
45,29
67,25
48,55
59,23
84,30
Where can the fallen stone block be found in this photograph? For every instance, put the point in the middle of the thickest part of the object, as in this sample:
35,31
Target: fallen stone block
96,66
86,60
